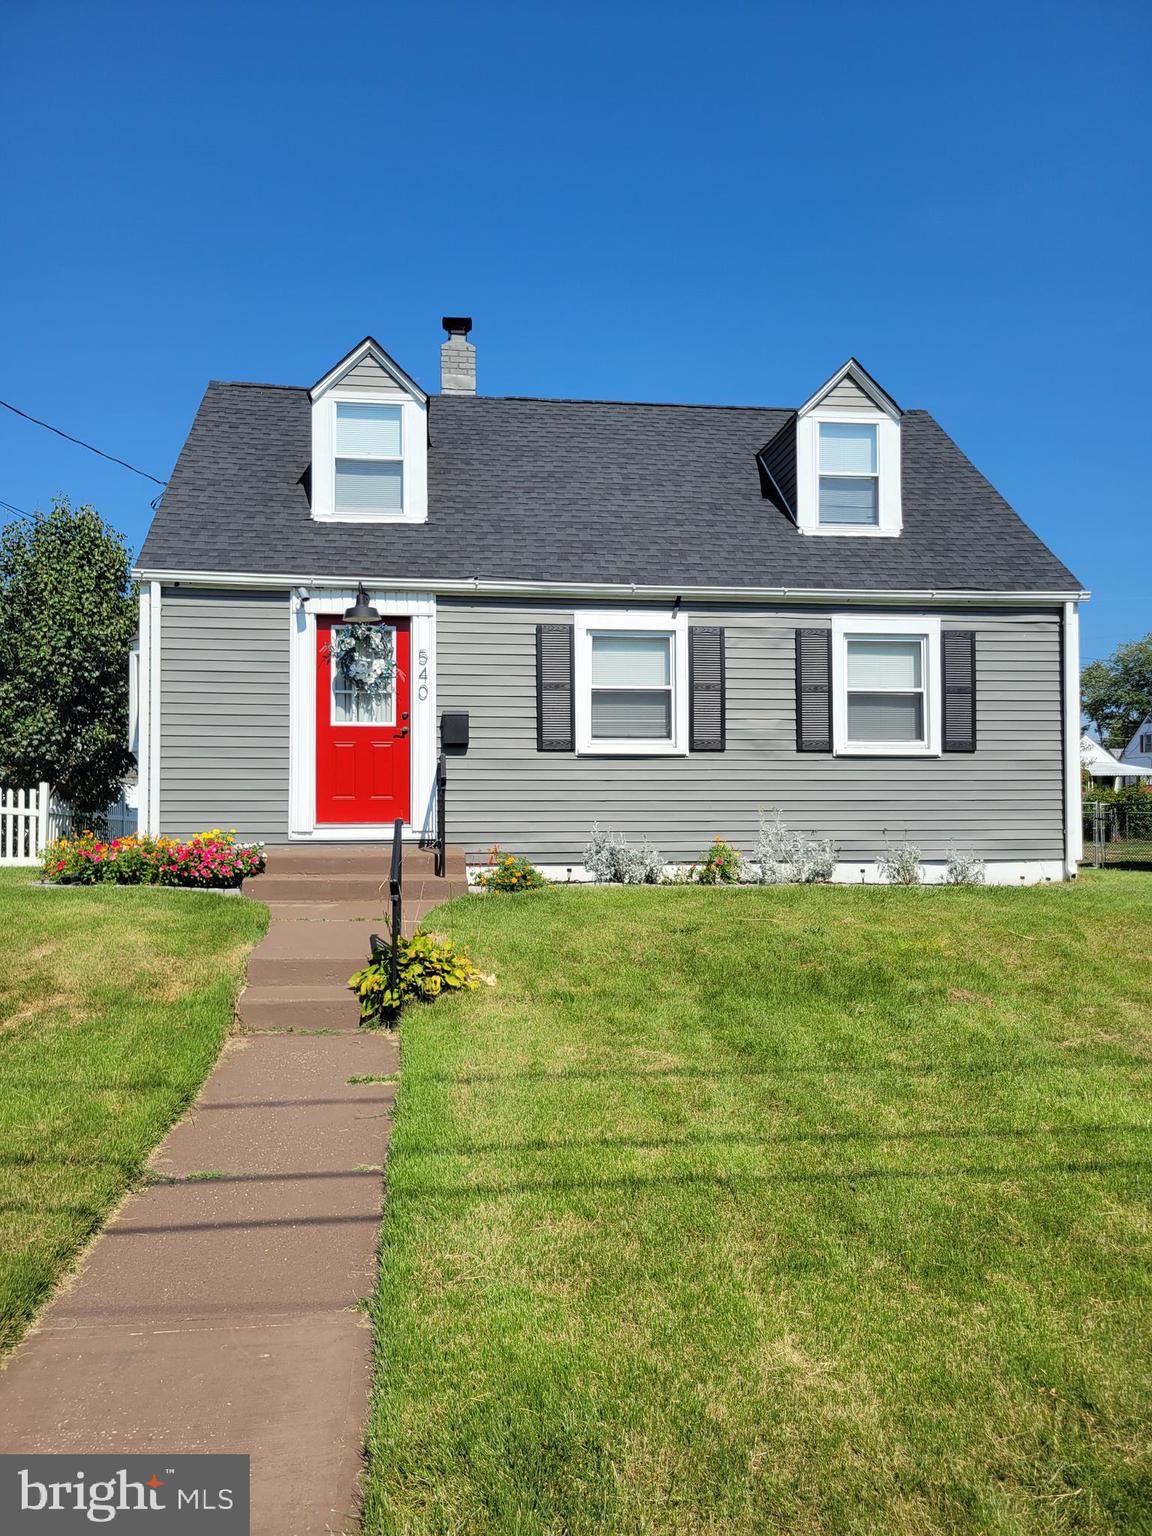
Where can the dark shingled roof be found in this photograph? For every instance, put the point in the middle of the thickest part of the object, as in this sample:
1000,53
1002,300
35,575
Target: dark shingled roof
578,491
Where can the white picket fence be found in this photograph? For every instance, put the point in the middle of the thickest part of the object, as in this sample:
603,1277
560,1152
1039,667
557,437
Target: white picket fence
32,818
26,824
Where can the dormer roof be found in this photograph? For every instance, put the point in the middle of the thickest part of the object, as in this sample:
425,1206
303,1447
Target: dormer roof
851,380
368,350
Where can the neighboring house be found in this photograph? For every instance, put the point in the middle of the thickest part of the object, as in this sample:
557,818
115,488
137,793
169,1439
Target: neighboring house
1099,763
1138,752
658,617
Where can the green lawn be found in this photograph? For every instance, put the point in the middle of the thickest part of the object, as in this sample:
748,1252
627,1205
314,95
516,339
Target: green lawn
113,1006
765,1211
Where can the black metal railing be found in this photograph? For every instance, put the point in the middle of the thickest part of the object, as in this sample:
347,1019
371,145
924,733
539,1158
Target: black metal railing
396,894
441,833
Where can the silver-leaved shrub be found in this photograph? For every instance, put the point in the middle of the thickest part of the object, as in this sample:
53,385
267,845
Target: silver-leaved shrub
611,857
784,856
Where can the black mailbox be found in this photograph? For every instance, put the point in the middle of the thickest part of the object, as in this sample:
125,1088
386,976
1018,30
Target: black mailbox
454,729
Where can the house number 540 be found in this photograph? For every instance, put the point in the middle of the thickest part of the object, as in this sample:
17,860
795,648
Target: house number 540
421,675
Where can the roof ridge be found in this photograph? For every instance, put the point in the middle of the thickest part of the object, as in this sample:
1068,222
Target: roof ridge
649,405
656,405
292,389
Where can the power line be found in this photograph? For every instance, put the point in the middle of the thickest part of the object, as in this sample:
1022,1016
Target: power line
19,511
111,457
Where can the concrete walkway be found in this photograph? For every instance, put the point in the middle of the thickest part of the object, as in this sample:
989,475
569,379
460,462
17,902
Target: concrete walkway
222,1308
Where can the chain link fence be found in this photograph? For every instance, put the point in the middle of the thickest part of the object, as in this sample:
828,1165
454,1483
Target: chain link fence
1119,836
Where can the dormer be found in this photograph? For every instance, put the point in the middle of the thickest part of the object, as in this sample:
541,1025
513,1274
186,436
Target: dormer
835,468
369,441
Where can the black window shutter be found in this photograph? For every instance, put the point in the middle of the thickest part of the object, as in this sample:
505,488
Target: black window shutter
555,694
958,664
813,690
706,714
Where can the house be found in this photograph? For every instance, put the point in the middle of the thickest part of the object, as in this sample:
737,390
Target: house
663,618
1099,763
1138,752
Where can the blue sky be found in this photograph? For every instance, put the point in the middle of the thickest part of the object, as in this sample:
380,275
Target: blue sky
634,201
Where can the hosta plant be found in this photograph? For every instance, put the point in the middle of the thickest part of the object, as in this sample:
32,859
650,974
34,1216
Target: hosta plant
426,967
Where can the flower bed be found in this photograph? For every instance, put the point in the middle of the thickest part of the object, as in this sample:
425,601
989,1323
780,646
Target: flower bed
208,861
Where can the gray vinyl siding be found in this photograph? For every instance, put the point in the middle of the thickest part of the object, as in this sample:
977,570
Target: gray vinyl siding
224,712
1003,802
849,396
368,374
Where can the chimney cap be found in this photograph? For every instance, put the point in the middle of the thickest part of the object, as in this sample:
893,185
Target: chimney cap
457,325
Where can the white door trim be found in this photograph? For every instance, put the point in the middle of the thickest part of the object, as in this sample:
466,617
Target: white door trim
420,608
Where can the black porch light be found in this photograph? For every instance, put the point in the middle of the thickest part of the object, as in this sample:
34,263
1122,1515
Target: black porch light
362,611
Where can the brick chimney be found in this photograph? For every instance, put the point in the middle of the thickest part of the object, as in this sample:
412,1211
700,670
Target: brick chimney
457,357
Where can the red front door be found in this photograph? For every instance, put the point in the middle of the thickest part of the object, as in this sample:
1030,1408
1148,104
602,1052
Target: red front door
362,739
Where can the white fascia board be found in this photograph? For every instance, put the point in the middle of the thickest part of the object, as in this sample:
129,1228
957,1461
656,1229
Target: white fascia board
490,587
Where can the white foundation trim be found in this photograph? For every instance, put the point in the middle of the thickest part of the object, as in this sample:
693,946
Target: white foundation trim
1073,788
858,872
306,604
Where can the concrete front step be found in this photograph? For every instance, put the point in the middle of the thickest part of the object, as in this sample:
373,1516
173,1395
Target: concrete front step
317,1005
371,894
358,860
363,912
320,953
313,888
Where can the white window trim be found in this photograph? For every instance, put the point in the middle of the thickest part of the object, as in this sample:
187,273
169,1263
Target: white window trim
926,628
413,446
889,503
619,621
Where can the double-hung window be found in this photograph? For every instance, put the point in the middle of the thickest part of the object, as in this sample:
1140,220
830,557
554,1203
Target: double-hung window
369,459
1145,742
849,474
631,684
886,693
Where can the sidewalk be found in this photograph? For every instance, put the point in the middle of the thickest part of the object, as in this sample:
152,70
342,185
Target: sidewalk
223,1310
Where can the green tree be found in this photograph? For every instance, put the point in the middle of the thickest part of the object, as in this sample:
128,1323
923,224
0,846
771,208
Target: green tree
1116,694
67,617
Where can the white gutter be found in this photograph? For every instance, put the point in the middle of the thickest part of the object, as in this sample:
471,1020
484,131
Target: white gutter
480,586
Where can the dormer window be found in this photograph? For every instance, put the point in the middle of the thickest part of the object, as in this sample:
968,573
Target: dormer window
369,442
849,476
369,458
836,467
